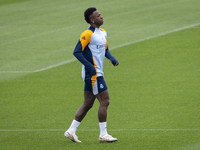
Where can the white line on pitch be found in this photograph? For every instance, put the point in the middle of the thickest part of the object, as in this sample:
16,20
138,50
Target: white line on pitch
86,130
158,35
16,71
56,65
115,47
43,69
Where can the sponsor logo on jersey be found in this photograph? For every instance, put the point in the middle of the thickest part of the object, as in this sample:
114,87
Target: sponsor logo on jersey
100,46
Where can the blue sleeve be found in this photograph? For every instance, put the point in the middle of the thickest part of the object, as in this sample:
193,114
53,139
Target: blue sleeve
110,57
79,55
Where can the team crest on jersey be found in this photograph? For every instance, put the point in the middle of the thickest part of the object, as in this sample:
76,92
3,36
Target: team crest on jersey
101,86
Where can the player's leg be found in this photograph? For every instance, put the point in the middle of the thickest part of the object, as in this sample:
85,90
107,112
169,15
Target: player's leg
89,99
103,99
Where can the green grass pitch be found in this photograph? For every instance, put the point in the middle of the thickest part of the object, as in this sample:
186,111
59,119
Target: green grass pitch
154,92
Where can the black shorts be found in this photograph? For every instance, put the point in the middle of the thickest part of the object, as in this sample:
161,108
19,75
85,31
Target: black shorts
98,87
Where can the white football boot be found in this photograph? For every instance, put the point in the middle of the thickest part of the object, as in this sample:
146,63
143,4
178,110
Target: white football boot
107,138
72,136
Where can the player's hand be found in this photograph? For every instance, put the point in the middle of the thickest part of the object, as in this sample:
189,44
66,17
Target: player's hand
116,64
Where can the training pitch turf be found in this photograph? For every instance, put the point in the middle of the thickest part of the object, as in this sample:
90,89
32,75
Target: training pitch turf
154,92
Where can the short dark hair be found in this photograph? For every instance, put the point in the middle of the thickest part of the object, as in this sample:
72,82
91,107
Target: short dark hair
89,12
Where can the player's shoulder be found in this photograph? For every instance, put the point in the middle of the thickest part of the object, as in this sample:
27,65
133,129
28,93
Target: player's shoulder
86,35
102,29
87,32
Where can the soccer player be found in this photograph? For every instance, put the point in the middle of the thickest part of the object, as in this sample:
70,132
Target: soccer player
91,50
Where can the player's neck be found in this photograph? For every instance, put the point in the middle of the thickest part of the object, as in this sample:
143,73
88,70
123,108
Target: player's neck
95,26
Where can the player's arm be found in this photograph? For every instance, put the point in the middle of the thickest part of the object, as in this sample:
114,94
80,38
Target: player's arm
82,43
111,58
108,55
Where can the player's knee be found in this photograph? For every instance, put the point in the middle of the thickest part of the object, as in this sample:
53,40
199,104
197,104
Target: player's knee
88,106
106,102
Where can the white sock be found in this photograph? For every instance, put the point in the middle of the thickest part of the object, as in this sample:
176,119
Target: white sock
103,128
74,126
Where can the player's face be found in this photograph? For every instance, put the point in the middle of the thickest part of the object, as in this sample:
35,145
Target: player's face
97,18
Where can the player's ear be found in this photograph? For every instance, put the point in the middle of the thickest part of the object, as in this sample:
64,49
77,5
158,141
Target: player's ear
91,20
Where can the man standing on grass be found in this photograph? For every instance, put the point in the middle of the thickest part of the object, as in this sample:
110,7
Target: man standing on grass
91,50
